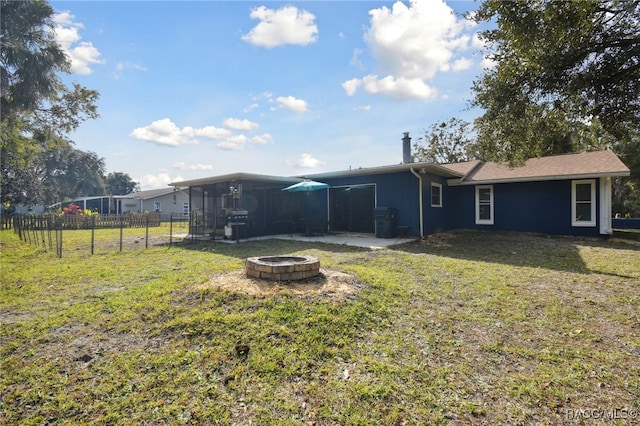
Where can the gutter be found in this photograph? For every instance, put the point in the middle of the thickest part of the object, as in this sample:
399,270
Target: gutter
420,208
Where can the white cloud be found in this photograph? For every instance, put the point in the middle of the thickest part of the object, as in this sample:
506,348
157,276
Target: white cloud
251,107
398,87
487,63
306,161
411,45
165,132
292,104
180,165
461,64
287,25
351,86
237,124
81,53
210,132
477,42
159,180
363,108
355,58
122,67
263,139
233,143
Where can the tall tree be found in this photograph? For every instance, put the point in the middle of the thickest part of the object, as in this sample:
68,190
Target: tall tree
36,108
30,56
559,65
446,142
118,183
69,172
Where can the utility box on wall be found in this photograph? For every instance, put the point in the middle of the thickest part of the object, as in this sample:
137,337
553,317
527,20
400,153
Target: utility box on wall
386,219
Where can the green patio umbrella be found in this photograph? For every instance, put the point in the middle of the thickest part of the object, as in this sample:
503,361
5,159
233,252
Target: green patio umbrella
306,185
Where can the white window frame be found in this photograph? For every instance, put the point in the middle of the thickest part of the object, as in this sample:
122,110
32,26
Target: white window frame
491,219
574,220
156,206
439,186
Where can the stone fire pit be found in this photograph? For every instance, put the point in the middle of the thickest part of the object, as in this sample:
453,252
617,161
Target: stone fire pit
282,268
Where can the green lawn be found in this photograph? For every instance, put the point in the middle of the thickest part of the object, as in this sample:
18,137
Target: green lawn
463,328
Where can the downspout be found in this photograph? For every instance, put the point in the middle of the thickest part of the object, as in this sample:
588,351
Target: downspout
420,201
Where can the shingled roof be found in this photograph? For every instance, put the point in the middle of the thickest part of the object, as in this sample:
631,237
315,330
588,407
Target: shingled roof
557,167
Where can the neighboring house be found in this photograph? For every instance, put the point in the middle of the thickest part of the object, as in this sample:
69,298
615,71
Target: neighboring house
169,202
28,209
566,194
101,204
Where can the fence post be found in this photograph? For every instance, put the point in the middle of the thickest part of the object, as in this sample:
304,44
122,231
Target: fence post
49,226
32,235
93,230
42,228
121,225
59,237
146,237
170,229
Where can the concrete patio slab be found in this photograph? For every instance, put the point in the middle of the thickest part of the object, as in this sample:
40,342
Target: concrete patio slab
349,239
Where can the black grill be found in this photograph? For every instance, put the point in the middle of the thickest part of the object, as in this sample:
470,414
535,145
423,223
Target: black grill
237,215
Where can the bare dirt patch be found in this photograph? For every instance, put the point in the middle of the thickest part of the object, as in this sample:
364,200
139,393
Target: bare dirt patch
330,283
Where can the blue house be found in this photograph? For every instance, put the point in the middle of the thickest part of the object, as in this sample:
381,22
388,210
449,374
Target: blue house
566,194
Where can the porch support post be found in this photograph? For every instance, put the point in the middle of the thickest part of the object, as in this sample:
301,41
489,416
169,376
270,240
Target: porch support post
605,206
420,206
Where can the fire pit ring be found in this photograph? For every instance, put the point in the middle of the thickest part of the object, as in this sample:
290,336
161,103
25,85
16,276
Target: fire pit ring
284,268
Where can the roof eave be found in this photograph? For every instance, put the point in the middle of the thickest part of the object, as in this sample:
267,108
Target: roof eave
459,182
432,167
234,176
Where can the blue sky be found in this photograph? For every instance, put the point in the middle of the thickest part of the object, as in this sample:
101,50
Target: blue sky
195,89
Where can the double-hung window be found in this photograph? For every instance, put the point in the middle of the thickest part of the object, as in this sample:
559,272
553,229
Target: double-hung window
436,194
484,205
156,206
583,202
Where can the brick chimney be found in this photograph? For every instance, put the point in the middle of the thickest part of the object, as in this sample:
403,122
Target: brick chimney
406,148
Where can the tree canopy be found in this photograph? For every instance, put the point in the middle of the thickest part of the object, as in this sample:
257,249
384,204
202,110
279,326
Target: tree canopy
560,66
31,62
39,165
119,183
446,142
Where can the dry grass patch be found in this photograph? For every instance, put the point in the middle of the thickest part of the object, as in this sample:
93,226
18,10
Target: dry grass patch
332,284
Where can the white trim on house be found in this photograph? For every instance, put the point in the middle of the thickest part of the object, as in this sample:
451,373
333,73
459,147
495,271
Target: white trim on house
575,220
439,186
479,220
605,206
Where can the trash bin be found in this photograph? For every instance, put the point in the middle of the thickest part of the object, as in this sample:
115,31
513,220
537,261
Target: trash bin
386,222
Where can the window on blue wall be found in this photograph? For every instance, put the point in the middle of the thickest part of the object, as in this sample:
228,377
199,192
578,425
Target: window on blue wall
156,206
484,205
436,195
583,202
